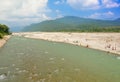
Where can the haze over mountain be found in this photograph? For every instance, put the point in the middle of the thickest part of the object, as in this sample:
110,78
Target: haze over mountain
72,23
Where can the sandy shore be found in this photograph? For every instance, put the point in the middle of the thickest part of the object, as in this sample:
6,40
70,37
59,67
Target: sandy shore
109,42
4,40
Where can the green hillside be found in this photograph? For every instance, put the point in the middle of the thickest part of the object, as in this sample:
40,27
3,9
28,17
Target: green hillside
72,23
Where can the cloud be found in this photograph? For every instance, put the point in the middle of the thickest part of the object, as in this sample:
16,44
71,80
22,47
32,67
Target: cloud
57,11
23,11
110,3
84,4
59,2
105,15
93,4
58,14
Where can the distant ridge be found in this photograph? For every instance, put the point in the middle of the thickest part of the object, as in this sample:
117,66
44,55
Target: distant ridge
118,19
73,23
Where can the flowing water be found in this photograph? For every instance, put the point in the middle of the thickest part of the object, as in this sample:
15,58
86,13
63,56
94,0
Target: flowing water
30,60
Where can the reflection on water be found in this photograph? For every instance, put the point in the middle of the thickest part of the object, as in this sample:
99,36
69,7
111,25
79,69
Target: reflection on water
29,60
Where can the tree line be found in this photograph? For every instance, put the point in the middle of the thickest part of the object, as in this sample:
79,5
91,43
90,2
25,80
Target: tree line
92,29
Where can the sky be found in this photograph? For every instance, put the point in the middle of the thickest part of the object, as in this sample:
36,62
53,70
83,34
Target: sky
20,13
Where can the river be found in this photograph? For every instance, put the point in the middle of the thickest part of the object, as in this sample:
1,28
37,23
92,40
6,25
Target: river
30,60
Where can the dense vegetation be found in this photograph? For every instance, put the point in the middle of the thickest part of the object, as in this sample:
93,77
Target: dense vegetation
4,30
107,29
76,24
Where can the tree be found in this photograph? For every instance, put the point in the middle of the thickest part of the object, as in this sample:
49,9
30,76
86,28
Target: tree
4,30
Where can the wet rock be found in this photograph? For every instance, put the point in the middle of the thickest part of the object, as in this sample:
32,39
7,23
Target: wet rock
46,52
3,67
77,69
42,80
56,71
62,58
17,68
13,65
51,58
3,76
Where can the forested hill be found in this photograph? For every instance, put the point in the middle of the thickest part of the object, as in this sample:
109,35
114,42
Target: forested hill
4,30
72,23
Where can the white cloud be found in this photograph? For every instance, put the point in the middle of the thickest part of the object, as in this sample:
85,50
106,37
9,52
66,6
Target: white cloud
93,4
110,3
59,2
57,11
58,14
84,4
106,15
23,11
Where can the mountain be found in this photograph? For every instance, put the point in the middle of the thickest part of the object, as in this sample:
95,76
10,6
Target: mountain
72,23
118,19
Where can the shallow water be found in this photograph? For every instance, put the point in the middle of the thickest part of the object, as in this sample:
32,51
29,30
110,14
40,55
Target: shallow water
29,60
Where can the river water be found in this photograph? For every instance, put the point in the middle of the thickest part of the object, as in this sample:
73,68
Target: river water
30,60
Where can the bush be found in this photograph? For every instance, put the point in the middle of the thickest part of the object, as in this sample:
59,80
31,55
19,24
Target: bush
4,30
1,35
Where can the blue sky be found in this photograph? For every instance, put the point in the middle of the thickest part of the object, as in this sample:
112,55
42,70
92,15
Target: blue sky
96,9
19,13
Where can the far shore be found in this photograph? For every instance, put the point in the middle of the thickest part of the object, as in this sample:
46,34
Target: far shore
4,40
109,42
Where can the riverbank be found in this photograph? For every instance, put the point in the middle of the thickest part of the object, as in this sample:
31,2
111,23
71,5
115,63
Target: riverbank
109,42
4,40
